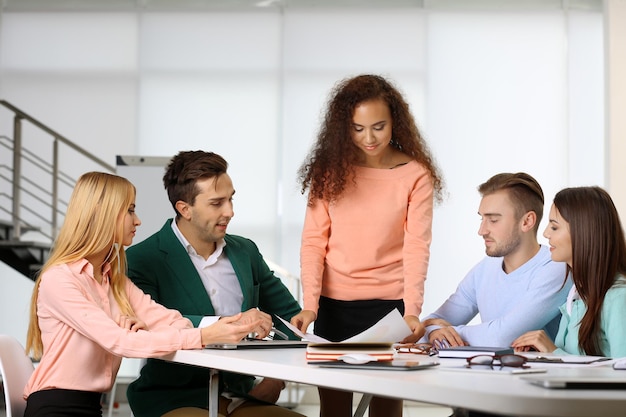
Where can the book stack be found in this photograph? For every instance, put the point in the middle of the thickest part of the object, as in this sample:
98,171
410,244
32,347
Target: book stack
332,351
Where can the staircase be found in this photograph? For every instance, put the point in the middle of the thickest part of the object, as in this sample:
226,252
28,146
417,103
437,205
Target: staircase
35,187
24,256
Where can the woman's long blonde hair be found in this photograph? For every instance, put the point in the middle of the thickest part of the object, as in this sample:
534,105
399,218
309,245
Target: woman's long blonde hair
93,224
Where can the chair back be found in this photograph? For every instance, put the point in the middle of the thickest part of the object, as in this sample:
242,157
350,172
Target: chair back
15,369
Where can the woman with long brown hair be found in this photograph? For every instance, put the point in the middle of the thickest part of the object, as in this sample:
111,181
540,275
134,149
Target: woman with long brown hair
585,231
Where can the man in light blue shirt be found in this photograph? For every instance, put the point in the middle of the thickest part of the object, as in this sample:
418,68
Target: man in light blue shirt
517,287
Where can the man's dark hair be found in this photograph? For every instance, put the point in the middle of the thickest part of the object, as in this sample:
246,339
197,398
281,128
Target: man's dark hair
185,169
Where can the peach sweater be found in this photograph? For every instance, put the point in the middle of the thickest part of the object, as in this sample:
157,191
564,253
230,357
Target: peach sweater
374,242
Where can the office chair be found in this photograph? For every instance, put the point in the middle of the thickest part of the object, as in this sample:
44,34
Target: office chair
15,368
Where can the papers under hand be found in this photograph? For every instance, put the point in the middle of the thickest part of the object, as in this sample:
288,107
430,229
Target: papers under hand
390,329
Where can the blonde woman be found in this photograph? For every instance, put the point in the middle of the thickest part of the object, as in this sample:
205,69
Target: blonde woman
86,314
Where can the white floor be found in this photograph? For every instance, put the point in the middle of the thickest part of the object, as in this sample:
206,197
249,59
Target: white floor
312,410
307,403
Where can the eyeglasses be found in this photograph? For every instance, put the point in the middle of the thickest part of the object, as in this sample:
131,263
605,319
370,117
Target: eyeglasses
511,360
417,348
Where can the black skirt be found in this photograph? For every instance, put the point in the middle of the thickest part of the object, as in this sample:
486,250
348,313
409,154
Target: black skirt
63,403
338,320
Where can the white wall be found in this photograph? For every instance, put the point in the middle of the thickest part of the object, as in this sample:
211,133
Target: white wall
15,293
492,90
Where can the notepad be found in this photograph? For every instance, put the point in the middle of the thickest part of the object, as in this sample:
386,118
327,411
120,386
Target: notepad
469,351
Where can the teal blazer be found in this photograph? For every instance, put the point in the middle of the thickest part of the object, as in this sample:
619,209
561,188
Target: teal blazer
161,267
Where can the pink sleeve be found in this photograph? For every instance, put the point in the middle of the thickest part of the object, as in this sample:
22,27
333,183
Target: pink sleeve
416,249
155,315
62,297
315,235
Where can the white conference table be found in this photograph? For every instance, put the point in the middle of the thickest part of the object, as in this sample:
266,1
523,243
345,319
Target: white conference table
495,393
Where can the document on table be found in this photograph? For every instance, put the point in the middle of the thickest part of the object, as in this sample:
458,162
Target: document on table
565,360
495,370
391,329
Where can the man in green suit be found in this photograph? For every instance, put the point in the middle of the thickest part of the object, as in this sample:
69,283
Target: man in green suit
193,266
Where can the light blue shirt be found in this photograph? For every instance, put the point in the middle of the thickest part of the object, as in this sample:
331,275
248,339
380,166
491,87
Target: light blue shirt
612,323
509,304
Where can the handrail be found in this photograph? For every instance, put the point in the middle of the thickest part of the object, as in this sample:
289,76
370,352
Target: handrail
50,169
57,135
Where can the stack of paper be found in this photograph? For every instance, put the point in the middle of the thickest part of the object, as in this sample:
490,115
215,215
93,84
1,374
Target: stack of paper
377,341
333,351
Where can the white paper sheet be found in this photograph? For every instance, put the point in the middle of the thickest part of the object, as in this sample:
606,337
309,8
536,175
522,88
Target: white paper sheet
390,329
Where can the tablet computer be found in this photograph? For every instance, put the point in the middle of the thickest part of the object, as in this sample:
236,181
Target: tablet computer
578,382
259,344
382,365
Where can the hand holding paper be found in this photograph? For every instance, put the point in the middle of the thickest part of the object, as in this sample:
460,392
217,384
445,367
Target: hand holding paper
391,328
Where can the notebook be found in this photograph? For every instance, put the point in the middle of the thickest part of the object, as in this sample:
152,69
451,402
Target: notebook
578,382
259,344
332,351
381,365
469,351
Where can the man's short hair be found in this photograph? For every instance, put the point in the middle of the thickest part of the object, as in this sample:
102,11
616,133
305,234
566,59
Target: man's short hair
523,190
185,169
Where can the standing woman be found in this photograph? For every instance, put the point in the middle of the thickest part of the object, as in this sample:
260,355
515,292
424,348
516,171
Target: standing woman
585,232
367,228
86,314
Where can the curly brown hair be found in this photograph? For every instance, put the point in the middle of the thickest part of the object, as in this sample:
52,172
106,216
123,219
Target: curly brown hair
333,157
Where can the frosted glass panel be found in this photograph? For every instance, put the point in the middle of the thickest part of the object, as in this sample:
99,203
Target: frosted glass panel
69,41
356,40
96,112
233,114
223,41
498,93
586,99
497,102
491,92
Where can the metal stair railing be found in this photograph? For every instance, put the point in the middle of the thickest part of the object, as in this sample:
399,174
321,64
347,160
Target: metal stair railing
48,198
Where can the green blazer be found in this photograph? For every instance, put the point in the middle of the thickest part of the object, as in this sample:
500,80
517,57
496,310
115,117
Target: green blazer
161,267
